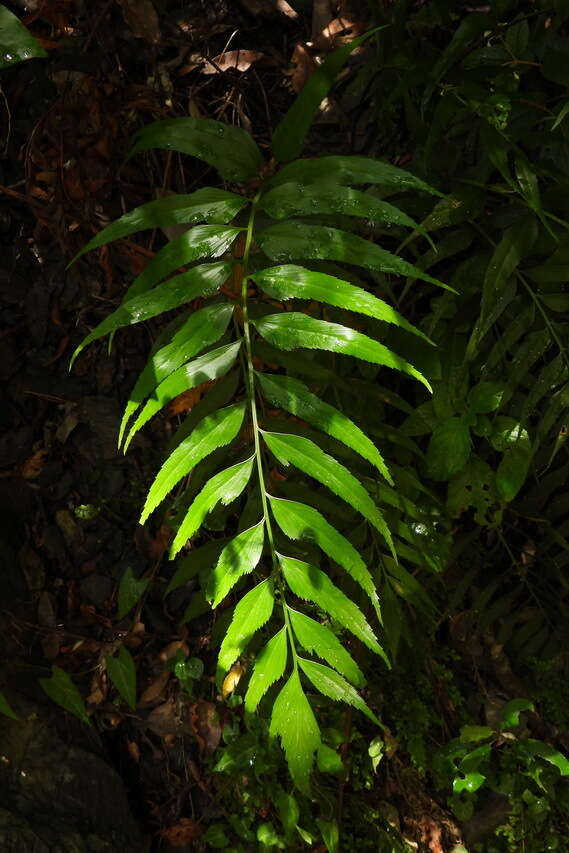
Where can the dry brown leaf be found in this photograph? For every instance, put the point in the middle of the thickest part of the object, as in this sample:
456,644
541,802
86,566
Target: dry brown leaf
133,750
33,466
154,689
169,651
186,831
205,725
141,17
163,720
269,7
304,65
231,680
338,32
183,402
239,60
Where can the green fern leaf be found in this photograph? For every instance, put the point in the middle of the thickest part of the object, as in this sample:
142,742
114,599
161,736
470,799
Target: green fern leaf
288,200
299,521
294,722
320,640
308,457
310,583
293,329
206,367
269,667
212,432
223,487
203,280
293,396
205,205
204,241
331,684
239,557
349,169
288,241
251,613
230,150
290,281
201,329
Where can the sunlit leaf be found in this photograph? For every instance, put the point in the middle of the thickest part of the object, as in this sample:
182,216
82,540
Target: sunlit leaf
251,613
293,282
206,205
201,329
222,488
203,280
289,241
293,396
239,557
320,640
331,684
310,583
308,457
300,521
294,722
205,368
269,667
291,330
212,432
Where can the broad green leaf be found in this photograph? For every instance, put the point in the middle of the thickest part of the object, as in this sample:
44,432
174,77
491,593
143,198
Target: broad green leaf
449,449
471,734
251,613
293,282
299,521
203,241
63,692
198,560
16,42
203,280
328,760
308,457
510,715
238,558
212,432
289,241
512,472
293,396
294,722
6,709
205,205
349,169
230,150
293,329
269,667
205,368
223,487
201,329
331,684
318,639
330,833
485,397
288,138
507,433
289,812
295,199
310,583
531,747
131,590
122,673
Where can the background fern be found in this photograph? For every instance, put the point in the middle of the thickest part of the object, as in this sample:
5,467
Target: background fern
243,262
